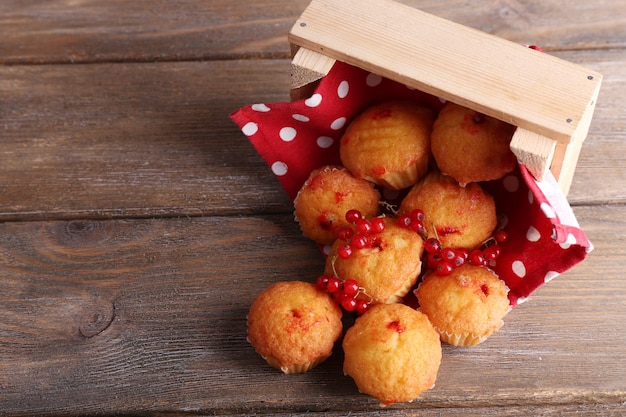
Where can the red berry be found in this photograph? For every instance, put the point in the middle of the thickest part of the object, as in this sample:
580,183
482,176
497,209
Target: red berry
351,287
404,221
348,303
417,215
416,226
448,254
345,233
463,252
353,215
363,226
433,259
362,306
344,251
444,268
491,253
333,285
359,241
477,258
432,245
378,225
321,282
501,236
459,258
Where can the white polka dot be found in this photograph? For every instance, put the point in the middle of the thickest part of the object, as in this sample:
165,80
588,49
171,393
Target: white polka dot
314,100
533,234
373,80
279,168
511,183
519,269
590,248
250,129
548,211
442,100
325,142
326,249
522,300
410,88
571,240
342,90
531,197
300,117
550,276
260,107
287,134
338,123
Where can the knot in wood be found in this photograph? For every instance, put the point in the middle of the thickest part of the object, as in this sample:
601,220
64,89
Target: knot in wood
96,319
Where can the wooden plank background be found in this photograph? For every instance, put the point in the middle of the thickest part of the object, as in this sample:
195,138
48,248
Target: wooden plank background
137,223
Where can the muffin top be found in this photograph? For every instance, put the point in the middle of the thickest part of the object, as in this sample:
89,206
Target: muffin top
387,268
326,196
386,139
470,146
392,352
460,217
472,300
293,323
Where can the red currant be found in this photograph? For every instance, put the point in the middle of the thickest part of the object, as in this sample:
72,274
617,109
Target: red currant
444,268
491,253
348,303
433,259
378,225
417,215
459,258
362,306
448,254
344,251
333,285
363,226
432,245
404,220
501,236
351,287
321,282
345,233
416,226
477,258
359,241
353,215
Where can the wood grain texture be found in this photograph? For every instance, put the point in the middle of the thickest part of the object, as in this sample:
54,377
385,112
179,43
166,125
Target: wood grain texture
168,299
73,31
118,140
137,223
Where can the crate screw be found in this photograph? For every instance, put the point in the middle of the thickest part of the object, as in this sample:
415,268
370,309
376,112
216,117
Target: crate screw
590,77
302,24
569,120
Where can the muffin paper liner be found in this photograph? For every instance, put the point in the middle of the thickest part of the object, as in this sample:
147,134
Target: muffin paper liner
294,138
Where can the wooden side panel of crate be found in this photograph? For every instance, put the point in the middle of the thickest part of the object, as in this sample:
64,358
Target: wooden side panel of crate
518,85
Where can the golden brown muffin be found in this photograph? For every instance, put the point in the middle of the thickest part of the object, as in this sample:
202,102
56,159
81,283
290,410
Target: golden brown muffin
294,326
467,306
471,147
463,217
326,196
389,143
388,269
393,353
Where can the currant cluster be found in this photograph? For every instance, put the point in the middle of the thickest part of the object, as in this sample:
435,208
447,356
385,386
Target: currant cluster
362,233
444,260
345,293
414,221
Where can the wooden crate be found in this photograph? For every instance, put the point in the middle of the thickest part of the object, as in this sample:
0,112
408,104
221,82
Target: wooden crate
551,101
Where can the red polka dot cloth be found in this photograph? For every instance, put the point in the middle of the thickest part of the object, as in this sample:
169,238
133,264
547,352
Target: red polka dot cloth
297,137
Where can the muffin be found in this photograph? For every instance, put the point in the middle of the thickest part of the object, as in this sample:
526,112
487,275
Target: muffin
460,217
467,306
389,143
392,353
387,268
326,196
470,146
294,326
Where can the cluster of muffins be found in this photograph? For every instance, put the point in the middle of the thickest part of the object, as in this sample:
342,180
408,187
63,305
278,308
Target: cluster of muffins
379,253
